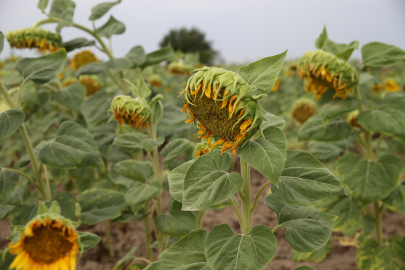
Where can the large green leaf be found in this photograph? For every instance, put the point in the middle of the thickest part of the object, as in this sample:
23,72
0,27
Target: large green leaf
378,55
388,118
130,142
315,130
77,43
141,90
263,74
149,144
226,250
342,51
10,121
208,183
71,97
99,10
305,180
158,56
389,256
272,121
329,107
66,18
177,223
368,180
42,4
95,108
42,69
8,188
327,151
140,194
58,7
91,69
172,121
317,255
173,149
266,155
187,253
136,56
73,147
396,200
307,228
134,169
100,204
22,214
67,204
112,27
346,208
88,240
176,180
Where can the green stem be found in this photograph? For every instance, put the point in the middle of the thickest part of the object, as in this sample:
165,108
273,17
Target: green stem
377,222
148,240
276,228
235,207
246,200
107,230
201,216
22,174
28,146
253,207
378,145
48,186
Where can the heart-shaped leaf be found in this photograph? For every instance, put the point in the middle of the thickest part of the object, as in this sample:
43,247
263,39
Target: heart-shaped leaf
112,27
176,180
314,130
130,142
329,107
88,240
134,169
140,194
99,10
10,121
177,223
378,55
173,149
396,200
77,43
71,97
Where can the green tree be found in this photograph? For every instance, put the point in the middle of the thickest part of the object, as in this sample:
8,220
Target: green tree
192,40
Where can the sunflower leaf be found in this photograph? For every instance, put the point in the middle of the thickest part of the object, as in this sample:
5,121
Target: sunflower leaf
177,223
315,130
112,27
77,43
378,55
10,121
101,9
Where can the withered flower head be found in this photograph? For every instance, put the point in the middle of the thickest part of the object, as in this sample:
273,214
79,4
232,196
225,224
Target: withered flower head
83,58
391,86
91,83
303,109
221,101
352,119
34,37
179,68
48,242
155,80
132,111
324,70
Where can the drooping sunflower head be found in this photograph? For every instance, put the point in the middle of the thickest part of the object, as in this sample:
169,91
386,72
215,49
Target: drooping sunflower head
155,80
83,58
48,242
324,70
221,101
391,86
179,68
135,112
34,37
352,119
376,88
276,85
91,83
201,149
303,109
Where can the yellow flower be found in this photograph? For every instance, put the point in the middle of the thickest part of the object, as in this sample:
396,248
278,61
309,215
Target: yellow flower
391,86
303,109
276,85
179,68
68,81
352,119
90,83
133,111
49,242
325,71
83,58
34,37
376,88
155,80
222,103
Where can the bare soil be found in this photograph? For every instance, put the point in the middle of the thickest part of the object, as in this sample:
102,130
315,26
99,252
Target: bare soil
125,236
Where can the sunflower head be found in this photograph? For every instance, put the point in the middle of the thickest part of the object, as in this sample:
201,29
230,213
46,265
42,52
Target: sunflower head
155,80
391,86
201,149
34,37
49,241
135,112
179,68
83,58
221,101
303,109
324,70
352,119
276,85
376,88
91,83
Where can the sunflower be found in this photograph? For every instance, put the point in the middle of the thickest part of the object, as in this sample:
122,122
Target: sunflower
201,149
324,70
91,84
34,37
133,111
48,242
352,119
376,88
68,81
155,80
221,101
303,109
179,68
83,58
276,85
391,86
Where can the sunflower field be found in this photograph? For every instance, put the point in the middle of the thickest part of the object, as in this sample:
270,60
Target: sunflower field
155,161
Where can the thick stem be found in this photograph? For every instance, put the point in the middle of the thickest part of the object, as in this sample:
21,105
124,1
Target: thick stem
378,222
48,185
28,146
148,240
246,200
107,230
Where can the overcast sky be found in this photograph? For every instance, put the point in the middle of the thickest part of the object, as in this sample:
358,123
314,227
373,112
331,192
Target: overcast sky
240,30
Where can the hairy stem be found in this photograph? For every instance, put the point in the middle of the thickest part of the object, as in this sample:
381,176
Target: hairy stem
246,200
48,185
253,207
378,222
235,207
107,230
148,241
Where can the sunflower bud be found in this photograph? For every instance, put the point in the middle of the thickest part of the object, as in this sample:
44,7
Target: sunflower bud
83,58
155,80
303,109
132,111
391,86
352,119
179,68
47,230
324,70
34,37
222,103
91,83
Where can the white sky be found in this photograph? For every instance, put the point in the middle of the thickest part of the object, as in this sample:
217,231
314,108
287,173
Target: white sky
242,31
